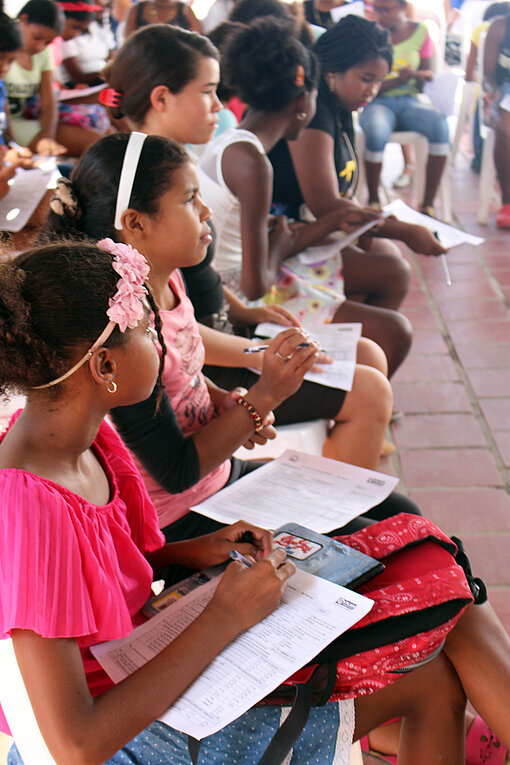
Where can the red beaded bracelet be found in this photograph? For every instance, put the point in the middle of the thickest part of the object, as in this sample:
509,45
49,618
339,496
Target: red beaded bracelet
257,419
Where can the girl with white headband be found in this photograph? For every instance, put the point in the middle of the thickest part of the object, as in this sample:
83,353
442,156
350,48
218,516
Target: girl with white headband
186,448
79,539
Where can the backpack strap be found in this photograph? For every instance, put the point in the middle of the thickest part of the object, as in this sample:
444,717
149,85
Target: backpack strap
315,692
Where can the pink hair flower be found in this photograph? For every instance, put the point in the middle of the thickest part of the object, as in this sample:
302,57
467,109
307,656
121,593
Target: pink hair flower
126,306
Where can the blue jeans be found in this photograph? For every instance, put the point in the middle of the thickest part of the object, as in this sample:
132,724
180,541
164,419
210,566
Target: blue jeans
327,733
389,113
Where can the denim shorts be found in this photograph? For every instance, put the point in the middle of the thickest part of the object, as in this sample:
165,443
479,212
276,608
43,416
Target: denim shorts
387,114
325,740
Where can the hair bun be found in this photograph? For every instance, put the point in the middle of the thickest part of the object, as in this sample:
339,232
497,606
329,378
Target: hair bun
64,202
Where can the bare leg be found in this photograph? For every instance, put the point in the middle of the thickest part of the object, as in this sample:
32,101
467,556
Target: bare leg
382,275
373,174
431,702
479,649
358,432
76,139
372,355
502,155
435,168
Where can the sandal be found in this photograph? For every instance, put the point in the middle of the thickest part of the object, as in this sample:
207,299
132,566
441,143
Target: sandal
405,178
503,217
482,745
382,758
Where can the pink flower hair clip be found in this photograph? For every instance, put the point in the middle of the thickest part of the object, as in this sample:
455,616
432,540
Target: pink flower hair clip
126,308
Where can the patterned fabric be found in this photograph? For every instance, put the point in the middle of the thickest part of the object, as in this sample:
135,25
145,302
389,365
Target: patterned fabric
88,116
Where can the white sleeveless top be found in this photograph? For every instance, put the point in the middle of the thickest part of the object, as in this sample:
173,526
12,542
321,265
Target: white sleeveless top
225,206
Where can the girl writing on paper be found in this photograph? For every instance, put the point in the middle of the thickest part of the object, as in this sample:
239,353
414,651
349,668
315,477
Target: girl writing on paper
186,446
79,540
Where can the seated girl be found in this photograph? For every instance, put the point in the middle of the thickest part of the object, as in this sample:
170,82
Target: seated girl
319,169
29,81
80,540
397,107
85,54
254,257
160,12
186,446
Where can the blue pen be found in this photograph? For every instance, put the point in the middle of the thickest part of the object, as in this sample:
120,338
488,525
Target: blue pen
240,558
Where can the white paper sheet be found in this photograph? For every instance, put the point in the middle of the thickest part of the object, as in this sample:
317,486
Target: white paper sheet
313,612
355,7
322,252
318,493
340,341
68,95
26,190
449,236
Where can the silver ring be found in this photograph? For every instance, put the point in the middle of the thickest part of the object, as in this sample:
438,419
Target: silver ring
285,358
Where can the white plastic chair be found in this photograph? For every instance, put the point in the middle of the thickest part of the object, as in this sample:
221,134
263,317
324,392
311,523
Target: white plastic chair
487,190
464,115
18,710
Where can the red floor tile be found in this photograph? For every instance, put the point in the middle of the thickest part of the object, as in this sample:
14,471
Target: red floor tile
465,511
429,341
497,412
482,356
503,442
462,289
480,332
423,368
449,467
458,271
421,317
431,397
490,382
468,308
488,554
502,275
415,297
438,430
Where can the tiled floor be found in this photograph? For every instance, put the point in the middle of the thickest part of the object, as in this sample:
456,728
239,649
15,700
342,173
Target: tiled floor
453,454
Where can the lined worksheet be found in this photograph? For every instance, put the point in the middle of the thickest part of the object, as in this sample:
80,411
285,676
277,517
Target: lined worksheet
313,612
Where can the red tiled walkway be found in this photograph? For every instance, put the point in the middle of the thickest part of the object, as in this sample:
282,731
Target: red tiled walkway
453,453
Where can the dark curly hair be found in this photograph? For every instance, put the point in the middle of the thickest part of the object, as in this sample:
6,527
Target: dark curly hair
159,54
262,63
352,41
53,298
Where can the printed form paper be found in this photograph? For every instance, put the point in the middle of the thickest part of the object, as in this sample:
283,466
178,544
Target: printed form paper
26,190
340,341
336,242
316,492
313,612
449,236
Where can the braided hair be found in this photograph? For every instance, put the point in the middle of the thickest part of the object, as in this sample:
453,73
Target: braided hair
351,42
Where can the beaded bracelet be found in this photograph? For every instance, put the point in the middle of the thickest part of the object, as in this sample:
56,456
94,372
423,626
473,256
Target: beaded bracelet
257,419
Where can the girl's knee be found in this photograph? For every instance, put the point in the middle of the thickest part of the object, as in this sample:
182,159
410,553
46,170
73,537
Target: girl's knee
371,395
371,354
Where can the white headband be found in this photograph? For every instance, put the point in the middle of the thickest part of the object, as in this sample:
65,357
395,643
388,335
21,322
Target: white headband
127,175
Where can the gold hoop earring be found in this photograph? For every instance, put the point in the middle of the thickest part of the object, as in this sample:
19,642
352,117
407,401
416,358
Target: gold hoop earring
111,387
302,116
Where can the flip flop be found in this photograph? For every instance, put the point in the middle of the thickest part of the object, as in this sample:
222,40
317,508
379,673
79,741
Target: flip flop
382,758
503,217
482,745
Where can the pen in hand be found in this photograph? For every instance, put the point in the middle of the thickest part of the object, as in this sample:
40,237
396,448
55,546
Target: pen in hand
260,348
444,264
240,558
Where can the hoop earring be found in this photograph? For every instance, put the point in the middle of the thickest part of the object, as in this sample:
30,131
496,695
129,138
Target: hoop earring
111,387
302,116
